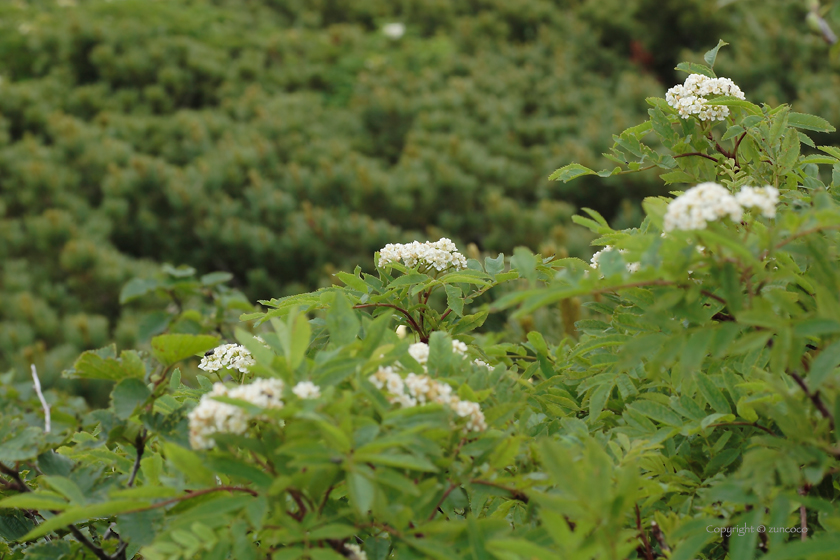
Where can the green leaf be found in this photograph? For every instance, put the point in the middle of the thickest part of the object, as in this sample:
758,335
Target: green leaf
658,412
598,400
823,543
73,515
127,395
455,299
169,349
735,102
823,365
830,150
809,122
693,68
409,280
495,266
789,153
98,364
678,176
397,460
14,524
569,172
712,394
711,55
361,492
189,463
137,287
66,488
342,321
353,281
525,262
470,322
35,500
301,336
215,278
732,132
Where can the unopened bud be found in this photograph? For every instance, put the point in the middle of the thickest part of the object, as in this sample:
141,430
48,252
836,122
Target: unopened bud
402,331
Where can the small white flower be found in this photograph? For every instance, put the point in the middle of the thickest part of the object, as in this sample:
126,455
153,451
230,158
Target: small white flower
439,255
393,30
459,347
355,552
307,390
696,207
211,416
481,363
420,352
595,262
402,331
227,356
764,198
691,97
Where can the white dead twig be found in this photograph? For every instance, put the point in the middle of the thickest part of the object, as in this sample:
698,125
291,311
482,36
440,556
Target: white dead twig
42,399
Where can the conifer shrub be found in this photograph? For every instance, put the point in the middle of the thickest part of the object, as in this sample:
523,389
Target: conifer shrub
282,141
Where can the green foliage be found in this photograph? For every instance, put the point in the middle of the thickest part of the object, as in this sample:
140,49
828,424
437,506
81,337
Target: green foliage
690,414
282,141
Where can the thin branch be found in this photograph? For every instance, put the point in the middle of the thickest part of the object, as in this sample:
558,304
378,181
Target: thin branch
140,446
46,407
642,535
514,493
445,314
657,533
194,494
815,398
796,236
20,485
709,294
452,486
324,501
411,320
698,154
803,512
97,551
752,424
735,149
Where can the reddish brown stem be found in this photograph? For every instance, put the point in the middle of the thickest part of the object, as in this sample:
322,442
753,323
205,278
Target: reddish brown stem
514,493
698,154
408,316
452,486
194,494
643,535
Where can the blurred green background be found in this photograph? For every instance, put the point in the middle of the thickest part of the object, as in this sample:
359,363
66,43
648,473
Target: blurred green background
283,140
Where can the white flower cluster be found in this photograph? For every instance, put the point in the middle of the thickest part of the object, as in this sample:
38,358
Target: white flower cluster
211,416
422,389
595,262
708,202
440,255
355,552
763,198
420,350
691,98
232,356
306,390
393,30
